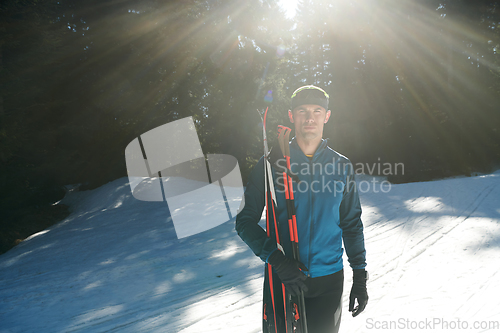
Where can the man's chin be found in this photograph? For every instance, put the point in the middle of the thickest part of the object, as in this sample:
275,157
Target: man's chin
309,135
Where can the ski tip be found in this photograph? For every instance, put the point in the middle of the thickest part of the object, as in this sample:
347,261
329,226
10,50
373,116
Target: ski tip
260,115
265,116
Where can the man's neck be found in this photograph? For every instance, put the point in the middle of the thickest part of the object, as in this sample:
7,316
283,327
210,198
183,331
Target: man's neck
308,147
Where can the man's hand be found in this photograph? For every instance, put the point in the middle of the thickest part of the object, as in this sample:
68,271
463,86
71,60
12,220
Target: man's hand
358,292
290,272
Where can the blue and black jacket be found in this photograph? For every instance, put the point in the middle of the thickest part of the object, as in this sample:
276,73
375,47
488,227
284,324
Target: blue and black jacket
327,209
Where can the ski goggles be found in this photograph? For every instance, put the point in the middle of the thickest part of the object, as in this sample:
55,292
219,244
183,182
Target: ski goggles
310,95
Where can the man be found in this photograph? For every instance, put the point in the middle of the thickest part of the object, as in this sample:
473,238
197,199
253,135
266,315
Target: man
328,212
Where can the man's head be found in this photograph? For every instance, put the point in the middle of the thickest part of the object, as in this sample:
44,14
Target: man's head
309,112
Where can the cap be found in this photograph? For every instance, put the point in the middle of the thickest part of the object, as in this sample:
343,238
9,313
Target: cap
310,95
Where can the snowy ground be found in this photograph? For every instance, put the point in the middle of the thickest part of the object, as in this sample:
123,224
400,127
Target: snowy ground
115,264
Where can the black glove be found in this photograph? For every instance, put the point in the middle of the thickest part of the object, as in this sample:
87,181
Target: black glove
358,291
289,271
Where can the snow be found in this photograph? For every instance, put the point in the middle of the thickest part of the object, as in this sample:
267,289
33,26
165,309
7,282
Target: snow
115,264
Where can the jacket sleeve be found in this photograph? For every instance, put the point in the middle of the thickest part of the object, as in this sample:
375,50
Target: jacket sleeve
350,222
248,218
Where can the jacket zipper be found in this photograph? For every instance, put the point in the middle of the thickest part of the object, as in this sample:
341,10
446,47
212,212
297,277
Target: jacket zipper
311,224
311,229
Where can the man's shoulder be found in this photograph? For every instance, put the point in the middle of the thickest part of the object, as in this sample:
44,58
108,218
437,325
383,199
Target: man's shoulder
336,155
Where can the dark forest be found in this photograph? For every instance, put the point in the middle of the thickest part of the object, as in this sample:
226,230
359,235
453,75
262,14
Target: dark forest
412,82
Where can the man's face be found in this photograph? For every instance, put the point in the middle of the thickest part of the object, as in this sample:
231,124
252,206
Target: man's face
309,120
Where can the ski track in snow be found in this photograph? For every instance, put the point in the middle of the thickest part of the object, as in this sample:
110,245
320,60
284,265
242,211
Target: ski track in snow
116,265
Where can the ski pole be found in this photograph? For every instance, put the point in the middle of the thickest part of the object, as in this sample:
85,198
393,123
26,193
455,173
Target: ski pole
283,138
269,191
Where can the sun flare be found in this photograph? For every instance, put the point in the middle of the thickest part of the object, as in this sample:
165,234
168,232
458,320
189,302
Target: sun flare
290,7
